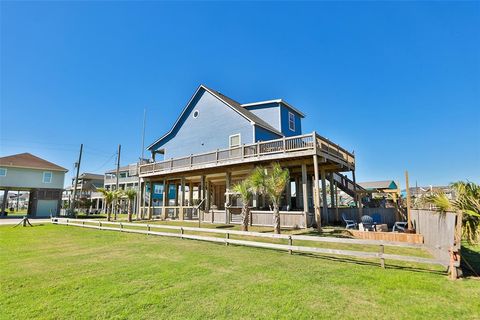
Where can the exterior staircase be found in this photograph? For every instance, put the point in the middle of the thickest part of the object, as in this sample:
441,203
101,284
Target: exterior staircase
346,185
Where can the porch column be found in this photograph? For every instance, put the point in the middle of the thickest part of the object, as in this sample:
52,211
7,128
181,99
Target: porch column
150,201
4,202
143,199
298,192
332,195
228,181
324,195
316,195
208,199
289,195
336,204
182,203
358,201
190,194
304,193
164,199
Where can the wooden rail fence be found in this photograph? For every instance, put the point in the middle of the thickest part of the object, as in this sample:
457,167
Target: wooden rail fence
102,225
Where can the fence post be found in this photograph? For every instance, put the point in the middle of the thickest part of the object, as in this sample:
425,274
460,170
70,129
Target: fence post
181,232
83,224
290,243
121,227
100,224
148,229
227,236
382,259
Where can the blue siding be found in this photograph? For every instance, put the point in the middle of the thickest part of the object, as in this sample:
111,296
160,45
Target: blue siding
264,135
270,113
209,131
298,122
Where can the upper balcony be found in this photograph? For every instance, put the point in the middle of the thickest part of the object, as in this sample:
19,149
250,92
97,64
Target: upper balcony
272,150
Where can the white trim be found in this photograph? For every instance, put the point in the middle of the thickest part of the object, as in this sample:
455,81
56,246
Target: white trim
274,101
230,140
293,115
43,177
4,175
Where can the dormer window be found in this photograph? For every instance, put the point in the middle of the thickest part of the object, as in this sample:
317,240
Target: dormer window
291,121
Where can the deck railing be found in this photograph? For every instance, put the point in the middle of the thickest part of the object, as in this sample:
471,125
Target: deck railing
312,142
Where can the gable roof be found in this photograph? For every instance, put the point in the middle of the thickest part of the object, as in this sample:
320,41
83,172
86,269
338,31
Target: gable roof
234,105
280,101
386,184
29,161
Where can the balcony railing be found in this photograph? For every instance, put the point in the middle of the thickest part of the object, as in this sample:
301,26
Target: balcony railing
309,142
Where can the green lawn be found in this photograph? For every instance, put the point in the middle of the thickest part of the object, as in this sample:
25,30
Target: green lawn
60,272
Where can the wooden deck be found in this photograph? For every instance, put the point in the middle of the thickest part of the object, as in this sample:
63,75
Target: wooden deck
272,150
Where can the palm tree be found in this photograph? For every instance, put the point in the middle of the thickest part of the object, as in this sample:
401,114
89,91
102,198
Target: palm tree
117,194
271,183
108,196
466,204
244,190
130,194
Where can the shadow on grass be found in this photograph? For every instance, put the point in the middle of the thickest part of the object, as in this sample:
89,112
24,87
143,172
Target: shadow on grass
371,263
470,261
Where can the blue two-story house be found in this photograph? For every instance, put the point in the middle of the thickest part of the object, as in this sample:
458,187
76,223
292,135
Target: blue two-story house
216,141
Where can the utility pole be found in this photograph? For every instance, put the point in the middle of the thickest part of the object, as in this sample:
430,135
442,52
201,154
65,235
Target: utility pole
117,173
409,219
139,189
72,204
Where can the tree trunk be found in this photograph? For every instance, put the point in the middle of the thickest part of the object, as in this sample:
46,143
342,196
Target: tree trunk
245,217
276,218
130,211
109,212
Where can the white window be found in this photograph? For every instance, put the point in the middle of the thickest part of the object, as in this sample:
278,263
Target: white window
291,121
3,172
235,140
47,177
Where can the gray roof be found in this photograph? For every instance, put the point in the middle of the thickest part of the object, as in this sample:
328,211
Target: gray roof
386,184
91,176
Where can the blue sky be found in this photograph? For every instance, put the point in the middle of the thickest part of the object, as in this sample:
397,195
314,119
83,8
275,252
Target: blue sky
397,82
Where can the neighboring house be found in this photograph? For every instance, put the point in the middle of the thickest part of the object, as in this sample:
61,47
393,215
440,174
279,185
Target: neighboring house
87,186
127,179
216,142
44,181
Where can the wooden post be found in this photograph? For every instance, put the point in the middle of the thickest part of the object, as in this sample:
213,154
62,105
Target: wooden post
324,195
382,259
4,201
228,181
290,243
409,218
289,195
150,202
304,193
355,196
165,198
227,236
316,193
190,194
182,202
336,204
332,194
207,196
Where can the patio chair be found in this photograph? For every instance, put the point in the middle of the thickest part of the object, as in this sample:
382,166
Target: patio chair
350,224
368,223
377,218
400,226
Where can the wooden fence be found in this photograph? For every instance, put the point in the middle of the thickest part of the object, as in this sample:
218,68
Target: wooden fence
438,231
387,215
288,219
290,247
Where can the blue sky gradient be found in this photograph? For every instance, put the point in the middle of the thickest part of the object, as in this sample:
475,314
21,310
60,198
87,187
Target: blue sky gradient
397,82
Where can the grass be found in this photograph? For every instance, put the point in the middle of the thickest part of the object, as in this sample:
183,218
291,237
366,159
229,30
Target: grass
52,272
